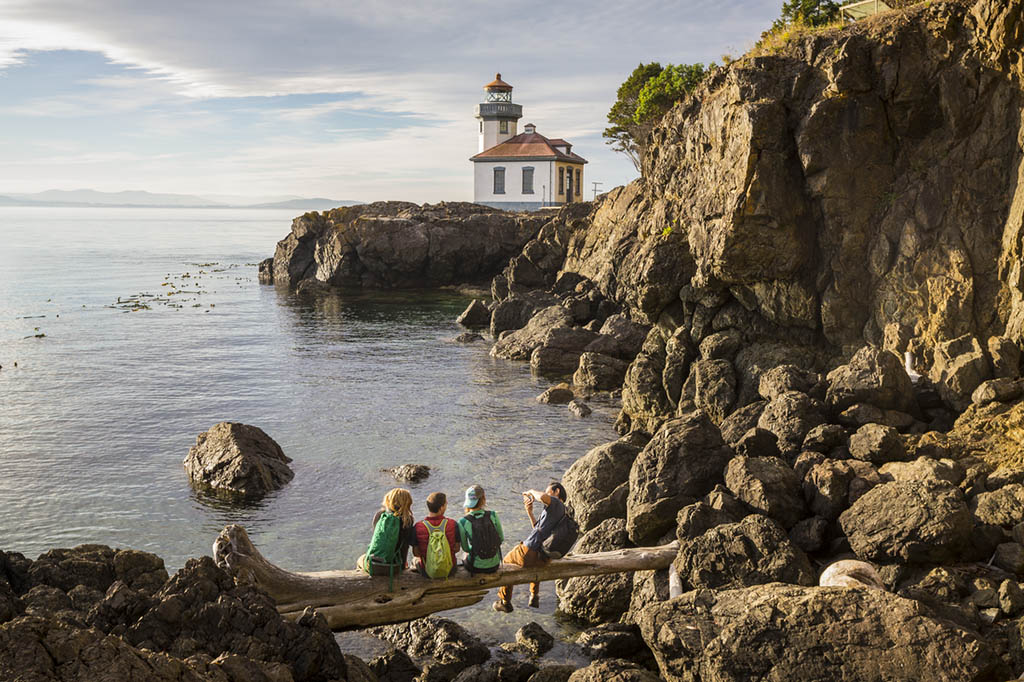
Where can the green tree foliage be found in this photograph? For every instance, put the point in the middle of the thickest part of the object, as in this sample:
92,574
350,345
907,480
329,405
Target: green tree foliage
807,13
673,84
622,131
643,99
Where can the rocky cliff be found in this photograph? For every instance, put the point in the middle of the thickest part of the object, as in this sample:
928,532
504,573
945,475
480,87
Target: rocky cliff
805,220
859,187
395,244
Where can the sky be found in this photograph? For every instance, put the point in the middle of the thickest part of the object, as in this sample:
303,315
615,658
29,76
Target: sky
346,100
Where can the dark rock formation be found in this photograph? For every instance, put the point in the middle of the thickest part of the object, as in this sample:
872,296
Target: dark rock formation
534,640
449,646
787,632
93,612
266,271
475,316
599,598
396,244
237,459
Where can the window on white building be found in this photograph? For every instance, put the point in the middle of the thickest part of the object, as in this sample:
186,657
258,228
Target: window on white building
503,127
528,180
561,181
499,180
579,189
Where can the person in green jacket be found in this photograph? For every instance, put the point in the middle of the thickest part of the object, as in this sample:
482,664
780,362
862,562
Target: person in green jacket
480,533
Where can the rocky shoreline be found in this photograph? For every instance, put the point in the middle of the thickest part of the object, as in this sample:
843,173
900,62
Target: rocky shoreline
808,223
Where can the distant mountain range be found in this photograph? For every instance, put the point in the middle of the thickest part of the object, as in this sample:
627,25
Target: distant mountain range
85,198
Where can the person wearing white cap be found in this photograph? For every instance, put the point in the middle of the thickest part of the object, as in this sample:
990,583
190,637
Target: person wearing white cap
480,533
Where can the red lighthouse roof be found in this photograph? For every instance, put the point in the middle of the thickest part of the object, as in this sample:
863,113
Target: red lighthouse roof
498,84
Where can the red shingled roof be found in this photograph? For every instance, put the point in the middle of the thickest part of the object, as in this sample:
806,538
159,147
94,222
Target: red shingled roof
530,146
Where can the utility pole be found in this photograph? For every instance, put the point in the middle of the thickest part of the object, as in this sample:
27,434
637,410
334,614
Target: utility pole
596,185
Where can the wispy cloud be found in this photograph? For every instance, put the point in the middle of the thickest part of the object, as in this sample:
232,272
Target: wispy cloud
355,99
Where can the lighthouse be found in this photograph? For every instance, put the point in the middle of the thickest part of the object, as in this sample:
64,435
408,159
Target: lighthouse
520,171
497,114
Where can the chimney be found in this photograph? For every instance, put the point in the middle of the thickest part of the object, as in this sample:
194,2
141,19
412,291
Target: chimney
529,128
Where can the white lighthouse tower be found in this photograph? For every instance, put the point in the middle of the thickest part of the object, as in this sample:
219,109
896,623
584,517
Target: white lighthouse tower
497,115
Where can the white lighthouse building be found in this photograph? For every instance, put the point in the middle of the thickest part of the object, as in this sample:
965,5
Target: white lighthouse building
524,171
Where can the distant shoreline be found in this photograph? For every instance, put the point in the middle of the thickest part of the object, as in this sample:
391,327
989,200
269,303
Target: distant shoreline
284,205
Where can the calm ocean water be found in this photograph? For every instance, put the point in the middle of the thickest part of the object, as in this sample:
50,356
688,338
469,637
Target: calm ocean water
117,375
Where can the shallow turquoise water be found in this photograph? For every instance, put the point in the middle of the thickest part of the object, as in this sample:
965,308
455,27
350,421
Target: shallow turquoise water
99,413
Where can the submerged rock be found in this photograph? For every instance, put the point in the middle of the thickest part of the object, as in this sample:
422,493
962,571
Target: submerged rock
468,337
559,394
412,473
237,459
450,646
579,408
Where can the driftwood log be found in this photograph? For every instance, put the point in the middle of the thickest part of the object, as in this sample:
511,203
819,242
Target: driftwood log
352,599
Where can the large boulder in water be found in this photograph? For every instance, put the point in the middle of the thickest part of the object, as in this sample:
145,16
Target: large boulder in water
237,459
681,464
785,632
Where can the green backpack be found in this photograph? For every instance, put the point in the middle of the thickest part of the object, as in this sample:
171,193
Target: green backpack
439,552
382,557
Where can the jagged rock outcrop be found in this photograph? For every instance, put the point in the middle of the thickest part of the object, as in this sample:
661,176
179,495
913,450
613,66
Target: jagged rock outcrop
93,612
396,244
681,464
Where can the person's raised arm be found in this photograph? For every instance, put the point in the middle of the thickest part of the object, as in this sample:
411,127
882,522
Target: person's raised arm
538,495
528,504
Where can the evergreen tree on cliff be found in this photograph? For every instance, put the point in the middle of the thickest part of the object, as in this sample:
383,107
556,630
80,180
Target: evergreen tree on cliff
643,98
807,12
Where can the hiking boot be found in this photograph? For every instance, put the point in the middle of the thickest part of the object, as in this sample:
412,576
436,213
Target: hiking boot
534,601
502,606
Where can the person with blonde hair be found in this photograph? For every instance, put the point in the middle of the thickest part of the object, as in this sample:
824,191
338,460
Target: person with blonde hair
392,529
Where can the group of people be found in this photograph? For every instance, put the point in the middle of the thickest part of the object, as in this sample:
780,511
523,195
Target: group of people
437,540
